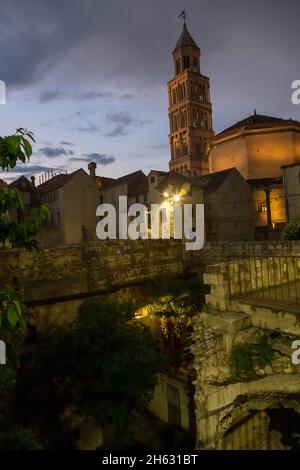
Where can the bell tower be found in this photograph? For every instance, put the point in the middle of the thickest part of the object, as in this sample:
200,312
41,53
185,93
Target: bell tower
190,110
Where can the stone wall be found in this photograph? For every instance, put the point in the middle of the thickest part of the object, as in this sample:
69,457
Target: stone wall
72,271
56,281
77,270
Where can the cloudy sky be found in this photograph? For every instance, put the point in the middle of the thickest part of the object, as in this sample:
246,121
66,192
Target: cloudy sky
89,76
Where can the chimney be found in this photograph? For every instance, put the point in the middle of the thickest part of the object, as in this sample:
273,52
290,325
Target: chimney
32,178
92,167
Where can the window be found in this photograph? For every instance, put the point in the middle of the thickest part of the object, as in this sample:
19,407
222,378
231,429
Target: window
58,218
299,176
145,197
262,207
186,62
152,179
101,199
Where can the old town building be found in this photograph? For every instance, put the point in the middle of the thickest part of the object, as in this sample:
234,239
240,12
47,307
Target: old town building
190,110
291,183
72,199
258,147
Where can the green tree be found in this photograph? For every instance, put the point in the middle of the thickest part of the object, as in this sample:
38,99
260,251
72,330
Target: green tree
13,149
105,363
174,301
291,230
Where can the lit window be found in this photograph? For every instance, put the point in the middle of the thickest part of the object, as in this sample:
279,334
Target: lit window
262,207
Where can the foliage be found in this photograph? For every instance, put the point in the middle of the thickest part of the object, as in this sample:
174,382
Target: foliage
12,324
105,363
241,363
19,439
291,230
11,309
16,148
174,301
245,358
264,352
13,149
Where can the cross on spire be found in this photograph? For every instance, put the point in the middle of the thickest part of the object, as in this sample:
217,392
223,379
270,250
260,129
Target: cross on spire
183,15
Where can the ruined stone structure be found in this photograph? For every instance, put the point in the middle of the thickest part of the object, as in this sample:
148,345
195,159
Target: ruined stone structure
235,411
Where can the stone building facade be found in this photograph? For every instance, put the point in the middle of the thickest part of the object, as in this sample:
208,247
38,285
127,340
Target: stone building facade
258,147
291,180
190,110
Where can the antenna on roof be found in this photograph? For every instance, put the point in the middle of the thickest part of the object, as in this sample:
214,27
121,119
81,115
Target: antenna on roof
255,112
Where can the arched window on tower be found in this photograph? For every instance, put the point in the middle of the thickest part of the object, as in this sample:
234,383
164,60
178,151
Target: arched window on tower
174,96
186,61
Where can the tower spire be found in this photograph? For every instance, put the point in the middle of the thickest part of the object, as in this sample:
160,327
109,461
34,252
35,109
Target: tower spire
190,109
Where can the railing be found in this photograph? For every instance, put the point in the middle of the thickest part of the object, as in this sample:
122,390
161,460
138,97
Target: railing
275,279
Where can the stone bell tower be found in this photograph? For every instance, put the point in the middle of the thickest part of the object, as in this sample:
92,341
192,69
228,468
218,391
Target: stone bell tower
190,110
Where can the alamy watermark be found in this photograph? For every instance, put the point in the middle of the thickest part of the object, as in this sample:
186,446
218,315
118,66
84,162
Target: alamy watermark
2,92
178,221
296,353
2,352
296,94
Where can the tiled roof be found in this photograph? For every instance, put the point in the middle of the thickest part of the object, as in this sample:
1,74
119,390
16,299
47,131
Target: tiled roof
172,179
213,180
257,121
123,179
56,182
185,39
16,183
103,182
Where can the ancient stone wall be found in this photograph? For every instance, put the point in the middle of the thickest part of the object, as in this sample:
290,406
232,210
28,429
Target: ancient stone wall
231,407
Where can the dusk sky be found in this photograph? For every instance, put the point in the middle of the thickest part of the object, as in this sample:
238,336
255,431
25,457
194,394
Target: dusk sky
88,77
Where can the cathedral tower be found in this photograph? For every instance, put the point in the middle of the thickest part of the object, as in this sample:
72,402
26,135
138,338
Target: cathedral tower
190,110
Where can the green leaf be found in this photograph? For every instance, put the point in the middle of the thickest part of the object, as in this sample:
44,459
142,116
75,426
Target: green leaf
18,306
27,147
12,315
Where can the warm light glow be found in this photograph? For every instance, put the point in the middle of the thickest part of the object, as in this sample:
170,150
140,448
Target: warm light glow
166,194
176,198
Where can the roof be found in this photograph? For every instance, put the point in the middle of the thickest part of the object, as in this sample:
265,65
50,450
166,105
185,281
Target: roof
172,179
265,182
291,165
123,179
159,172
185,39
214,180
57,182
2,183
103,182
15,183
257,121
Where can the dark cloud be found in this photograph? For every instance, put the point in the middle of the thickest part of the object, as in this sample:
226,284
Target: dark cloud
121,124
127,96
65,142
51,95
53,152
100,158
29,169
249,49
94,95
